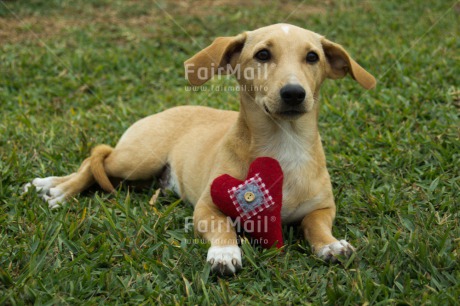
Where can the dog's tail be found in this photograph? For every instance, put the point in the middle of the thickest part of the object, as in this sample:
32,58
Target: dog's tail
98,155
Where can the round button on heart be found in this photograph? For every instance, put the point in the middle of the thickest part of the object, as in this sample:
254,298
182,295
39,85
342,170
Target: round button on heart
249,197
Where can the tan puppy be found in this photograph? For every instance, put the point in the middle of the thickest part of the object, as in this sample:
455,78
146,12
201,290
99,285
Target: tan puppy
280,69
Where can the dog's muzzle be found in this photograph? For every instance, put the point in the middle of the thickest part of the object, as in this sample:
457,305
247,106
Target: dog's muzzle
293,98
292,95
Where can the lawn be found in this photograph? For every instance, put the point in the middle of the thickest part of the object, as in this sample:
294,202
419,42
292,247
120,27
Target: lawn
74,74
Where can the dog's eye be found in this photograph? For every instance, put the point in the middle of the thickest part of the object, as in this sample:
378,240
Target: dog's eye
263,55
312,57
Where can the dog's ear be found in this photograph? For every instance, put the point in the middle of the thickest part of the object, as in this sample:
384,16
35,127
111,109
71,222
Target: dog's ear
219,57
340,63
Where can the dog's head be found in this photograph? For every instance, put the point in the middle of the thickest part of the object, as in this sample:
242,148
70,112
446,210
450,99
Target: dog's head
280,67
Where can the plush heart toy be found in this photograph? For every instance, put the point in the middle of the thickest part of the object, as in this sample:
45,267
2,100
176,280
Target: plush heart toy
254,204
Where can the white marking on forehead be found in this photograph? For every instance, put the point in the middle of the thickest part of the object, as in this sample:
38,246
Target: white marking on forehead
285,29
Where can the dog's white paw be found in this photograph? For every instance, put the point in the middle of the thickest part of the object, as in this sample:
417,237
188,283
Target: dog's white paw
42,185
54,197
225,260
47,191
332,251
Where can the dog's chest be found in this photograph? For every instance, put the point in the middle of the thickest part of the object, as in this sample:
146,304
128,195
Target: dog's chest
288,148
299,197
298,167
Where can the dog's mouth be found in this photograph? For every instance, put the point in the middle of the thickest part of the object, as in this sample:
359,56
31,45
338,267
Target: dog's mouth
266,109
291,114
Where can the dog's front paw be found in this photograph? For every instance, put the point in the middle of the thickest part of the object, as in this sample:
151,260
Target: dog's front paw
224,260
334,251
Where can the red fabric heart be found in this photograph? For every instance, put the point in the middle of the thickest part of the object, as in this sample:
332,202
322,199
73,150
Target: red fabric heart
254,204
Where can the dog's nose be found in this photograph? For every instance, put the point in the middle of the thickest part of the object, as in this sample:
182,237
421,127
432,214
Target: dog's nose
292,94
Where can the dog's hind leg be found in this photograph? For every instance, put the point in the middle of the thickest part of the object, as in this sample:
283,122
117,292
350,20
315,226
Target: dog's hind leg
141,154
123,162
55,190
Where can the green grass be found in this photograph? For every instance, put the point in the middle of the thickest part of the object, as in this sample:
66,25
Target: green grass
78,73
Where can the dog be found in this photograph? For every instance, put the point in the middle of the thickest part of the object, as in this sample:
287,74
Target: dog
280,69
